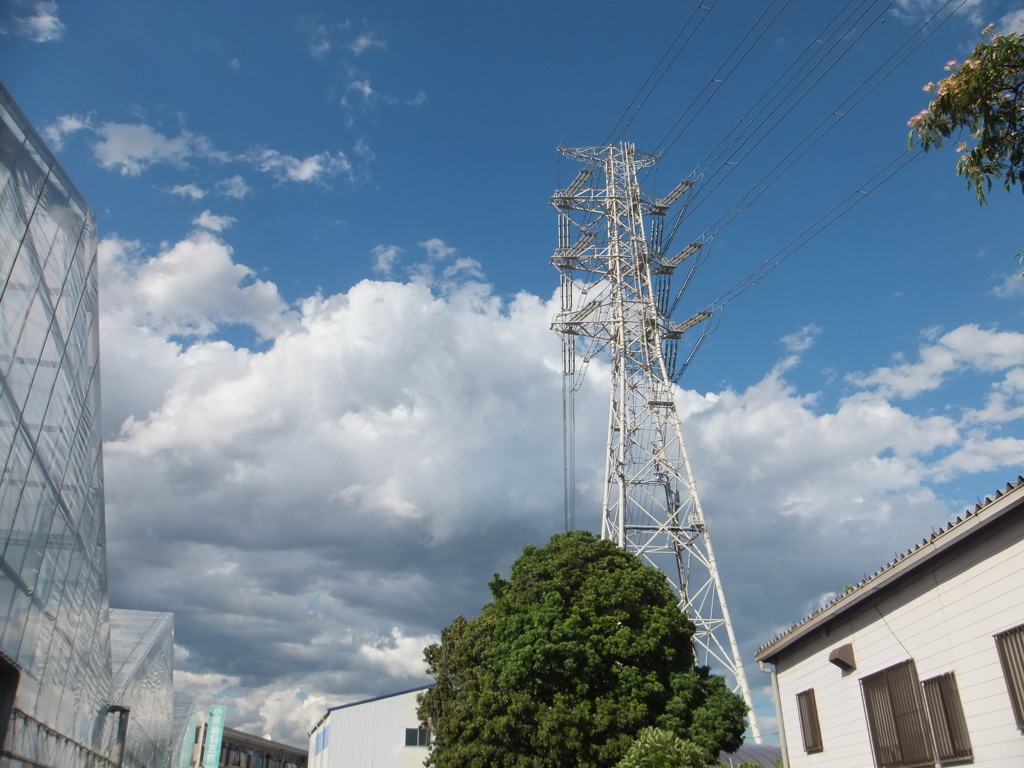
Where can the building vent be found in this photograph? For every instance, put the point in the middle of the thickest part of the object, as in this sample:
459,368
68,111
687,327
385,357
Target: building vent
842,657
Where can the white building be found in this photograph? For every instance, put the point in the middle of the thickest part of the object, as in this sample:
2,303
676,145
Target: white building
382,732
921,663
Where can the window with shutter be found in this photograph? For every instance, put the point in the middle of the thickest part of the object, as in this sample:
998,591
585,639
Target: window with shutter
952,743
809,726
1011,656
896,717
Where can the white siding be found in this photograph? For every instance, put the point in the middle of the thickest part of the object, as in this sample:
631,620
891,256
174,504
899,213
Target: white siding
412,757
369,734
943,618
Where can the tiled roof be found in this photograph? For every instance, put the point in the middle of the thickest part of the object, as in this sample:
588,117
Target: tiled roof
937,538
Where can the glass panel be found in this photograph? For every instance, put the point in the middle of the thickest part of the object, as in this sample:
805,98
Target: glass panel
48,569
39,396
30,172
7,590
14,310
14,625
30,343
53,591
12,140
12,230
14,479
30,636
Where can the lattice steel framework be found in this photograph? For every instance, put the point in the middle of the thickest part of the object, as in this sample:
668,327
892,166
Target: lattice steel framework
615,291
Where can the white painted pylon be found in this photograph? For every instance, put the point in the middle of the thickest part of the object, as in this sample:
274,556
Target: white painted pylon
615,290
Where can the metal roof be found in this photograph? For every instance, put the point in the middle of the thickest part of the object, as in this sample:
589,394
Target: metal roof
134,637
378,698
367,701
243,739
940,542
762,755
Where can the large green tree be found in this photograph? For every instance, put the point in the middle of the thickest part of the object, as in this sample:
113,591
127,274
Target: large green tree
982,102
581,648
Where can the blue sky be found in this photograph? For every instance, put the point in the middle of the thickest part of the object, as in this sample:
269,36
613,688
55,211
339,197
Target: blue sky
332,401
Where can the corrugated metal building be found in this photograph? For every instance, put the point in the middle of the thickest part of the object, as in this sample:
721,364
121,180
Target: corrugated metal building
382,732
245,750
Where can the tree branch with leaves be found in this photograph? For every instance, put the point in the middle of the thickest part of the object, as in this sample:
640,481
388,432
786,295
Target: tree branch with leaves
984,97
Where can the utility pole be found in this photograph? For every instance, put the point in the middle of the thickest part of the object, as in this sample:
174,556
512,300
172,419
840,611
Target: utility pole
615,295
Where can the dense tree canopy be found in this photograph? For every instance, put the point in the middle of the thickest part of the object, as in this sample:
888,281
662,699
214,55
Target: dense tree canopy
984,95
581,648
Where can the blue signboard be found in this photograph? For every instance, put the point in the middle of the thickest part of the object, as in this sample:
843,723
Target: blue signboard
214,734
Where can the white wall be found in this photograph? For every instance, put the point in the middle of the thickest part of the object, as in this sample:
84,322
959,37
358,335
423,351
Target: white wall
369,734
944,619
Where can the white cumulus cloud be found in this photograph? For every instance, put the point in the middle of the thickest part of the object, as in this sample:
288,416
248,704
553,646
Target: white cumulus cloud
399,654
315,168
190,191
234,188
966,347
365,42
64,126
133,147
390,446
363,88
1012,22
802,340
211,221
36,20
188,288
384,258
1012,287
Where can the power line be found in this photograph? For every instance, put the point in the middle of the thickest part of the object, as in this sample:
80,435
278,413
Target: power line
823,222
616,133
719,78
840,111
816,134
782,107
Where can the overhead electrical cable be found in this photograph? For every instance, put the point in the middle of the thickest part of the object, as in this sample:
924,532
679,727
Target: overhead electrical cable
788,83
824,127
804,145
785,92
616,132
720,76
796,92
715,308
739,52
823,222
838,28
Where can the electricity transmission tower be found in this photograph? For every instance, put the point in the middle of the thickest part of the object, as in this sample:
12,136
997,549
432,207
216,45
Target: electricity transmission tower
616,294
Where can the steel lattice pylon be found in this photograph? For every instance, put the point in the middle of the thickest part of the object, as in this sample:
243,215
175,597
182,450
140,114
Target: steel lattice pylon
615,289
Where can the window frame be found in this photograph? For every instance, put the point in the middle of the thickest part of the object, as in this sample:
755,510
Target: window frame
810,726
898,724
1010,645
417,737
950,739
